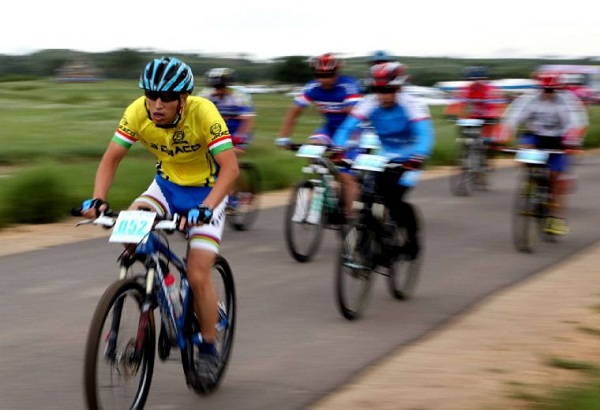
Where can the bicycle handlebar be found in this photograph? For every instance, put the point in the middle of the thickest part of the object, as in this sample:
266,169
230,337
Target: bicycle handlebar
108,219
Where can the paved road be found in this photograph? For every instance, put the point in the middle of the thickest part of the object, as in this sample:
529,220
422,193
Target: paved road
292,346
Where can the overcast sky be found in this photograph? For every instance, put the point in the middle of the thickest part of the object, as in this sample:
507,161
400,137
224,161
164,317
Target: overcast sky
264,29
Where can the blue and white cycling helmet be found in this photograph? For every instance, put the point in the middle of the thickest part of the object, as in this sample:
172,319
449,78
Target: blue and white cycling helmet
167,74
380,56
475,73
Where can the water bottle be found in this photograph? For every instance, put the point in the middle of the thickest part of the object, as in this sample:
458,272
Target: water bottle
331,192
173,293
316,206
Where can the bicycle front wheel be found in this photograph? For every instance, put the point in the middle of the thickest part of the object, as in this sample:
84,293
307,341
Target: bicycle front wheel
354,276
114,376
462,181
248,186
403,273
222,278
526,223
302,236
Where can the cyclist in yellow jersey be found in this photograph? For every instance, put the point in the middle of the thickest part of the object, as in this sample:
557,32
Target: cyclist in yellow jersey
196,167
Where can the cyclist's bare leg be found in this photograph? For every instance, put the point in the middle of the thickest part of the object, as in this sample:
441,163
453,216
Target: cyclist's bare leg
350,191
239,151
199,267
556,196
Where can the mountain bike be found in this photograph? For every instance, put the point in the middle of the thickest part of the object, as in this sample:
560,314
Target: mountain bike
121,341
243,204
532,201
472,155
316,203
373,244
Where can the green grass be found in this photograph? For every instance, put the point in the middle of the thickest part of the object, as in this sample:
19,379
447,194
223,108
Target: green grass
70,125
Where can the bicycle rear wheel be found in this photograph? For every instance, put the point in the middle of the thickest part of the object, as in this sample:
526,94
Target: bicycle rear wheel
403,273
247,194
462,181
526,224
222,278
113,377
354,276
302,237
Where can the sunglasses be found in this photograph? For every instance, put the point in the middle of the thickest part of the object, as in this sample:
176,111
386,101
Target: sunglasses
384,90
164,96
325,75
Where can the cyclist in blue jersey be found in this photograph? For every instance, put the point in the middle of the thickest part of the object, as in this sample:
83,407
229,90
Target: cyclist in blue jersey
334,95
331,93
403,124
237,109
236,106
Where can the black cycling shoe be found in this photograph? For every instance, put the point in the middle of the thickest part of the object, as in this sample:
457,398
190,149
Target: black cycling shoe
411,250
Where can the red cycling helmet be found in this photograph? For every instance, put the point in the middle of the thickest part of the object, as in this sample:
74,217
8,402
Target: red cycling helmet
392,74
326,63
549,79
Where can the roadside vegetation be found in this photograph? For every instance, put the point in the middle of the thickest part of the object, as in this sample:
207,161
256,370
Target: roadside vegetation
55,133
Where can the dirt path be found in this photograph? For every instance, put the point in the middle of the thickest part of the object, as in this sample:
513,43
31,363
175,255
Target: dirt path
495,354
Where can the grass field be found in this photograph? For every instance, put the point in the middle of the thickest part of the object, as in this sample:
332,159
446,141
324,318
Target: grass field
66,127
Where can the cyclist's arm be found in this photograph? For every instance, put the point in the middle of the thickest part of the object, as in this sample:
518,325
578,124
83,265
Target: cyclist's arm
424,137
246,125
515,115
107,169
578,122
228,174
345,130
290,120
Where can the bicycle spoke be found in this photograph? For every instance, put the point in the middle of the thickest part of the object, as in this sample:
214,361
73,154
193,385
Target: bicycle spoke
115,376
302,237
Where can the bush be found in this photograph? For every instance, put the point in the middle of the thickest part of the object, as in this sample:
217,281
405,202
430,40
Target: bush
35,196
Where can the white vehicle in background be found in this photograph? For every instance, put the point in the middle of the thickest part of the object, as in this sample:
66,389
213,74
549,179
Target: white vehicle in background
255,89
511,86
430,95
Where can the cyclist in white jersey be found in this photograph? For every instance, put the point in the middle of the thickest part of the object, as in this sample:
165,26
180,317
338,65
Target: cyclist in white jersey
552,118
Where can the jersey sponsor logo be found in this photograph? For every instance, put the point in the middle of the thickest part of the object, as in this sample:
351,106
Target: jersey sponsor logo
126,130
217,131
325,106
179,138
182,146
185,149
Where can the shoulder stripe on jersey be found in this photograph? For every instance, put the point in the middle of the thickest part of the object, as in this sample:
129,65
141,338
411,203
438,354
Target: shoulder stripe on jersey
220,144
123,139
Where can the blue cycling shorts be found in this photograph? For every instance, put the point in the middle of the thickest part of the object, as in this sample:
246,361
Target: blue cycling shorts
556,162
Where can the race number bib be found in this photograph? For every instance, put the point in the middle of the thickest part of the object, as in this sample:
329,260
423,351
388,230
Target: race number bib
531,156
369,162
132,227
311,151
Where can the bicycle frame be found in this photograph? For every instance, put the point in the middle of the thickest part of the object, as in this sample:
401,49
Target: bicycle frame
374,214
373,244
322,173
533,196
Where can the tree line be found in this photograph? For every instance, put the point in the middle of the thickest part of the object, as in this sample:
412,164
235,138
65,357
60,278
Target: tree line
128,63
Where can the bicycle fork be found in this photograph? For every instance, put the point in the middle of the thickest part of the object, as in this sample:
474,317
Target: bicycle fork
144,317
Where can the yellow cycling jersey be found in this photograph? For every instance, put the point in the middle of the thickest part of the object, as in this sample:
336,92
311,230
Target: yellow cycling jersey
185,153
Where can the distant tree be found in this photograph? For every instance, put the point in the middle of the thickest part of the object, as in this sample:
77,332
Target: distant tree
293,70
124,63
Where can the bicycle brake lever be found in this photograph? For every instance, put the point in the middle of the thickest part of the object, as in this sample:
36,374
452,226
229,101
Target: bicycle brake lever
169,225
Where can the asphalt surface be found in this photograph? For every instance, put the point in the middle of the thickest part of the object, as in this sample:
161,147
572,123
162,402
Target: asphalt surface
292,346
